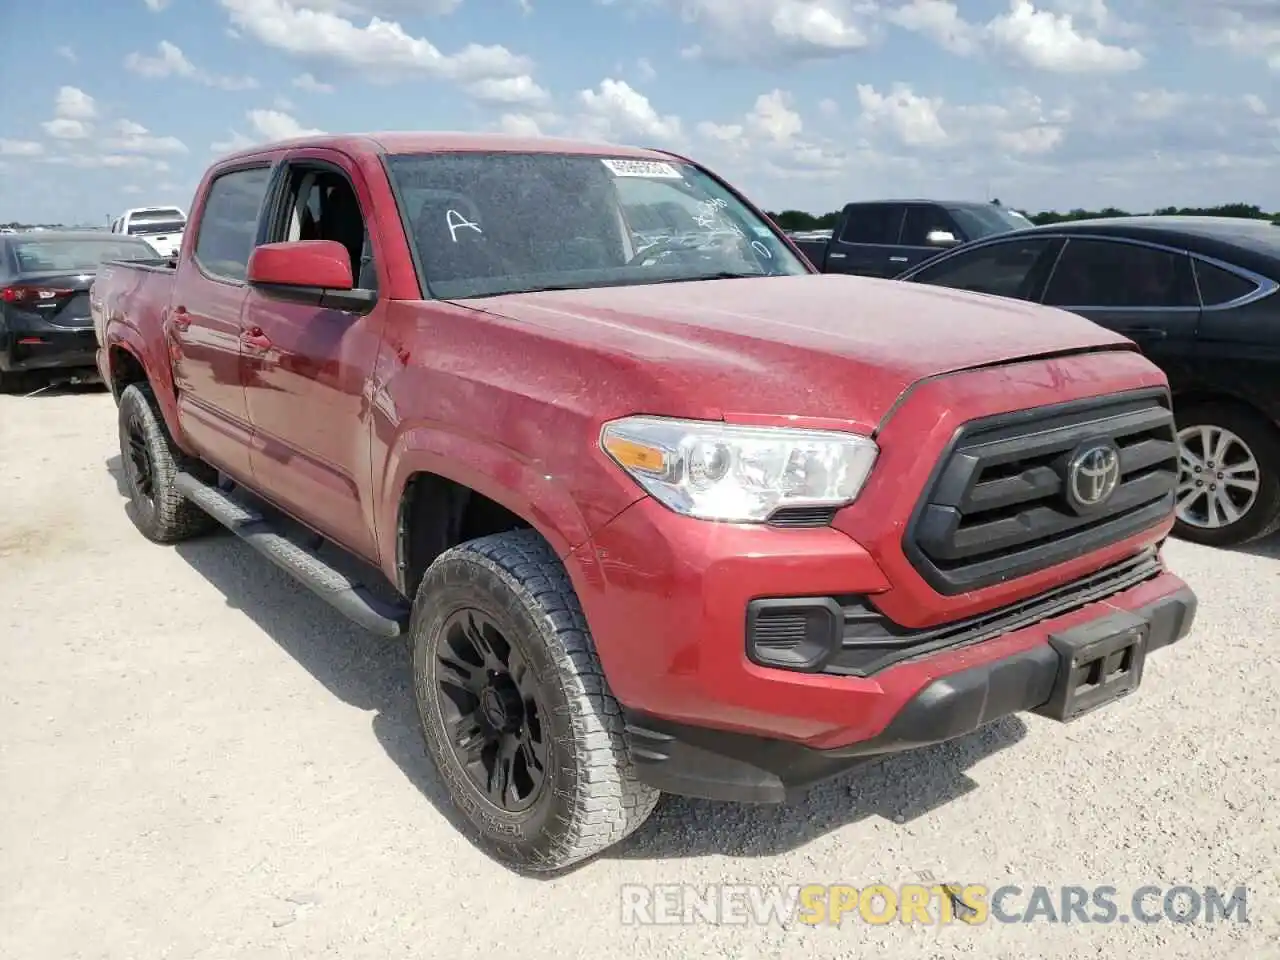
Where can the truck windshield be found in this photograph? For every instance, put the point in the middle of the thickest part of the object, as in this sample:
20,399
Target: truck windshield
85,255
987,221
150,227
487,223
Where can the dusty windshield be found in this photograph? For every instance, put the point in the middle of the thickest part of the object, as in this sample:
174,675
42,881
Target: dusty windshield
493,223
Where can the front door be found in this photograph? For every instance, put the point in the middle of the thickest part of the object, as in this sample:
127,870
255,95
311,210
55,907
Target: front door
203,323
922,219
1144,292
307,367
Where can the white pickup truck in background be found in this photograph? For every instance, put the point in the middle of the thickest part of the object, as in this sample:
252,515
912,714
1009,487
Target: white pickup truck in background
162,227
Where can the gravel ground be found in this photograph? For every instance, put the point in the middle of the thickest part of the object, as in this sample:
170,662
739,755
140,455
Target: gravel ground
199,759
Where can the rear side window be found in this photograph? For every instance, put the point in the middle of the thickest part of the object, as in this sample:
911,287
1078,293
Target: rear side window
229,223
1218,286
1112,275
873,223
1000,269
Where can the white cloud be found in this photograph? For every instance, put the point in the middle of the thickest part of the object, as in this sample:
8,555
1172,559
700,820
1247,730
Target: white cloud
155,6
773,119
67,53
519,125
507,90
381,50
72,103
170,61
913,119
616,110
1044,39
275,125
60,128
1050,41
311,85
20,148
133,137
645,70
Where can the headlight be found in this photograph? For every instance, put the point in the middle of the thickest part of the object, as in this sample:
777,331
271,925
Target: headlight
717,471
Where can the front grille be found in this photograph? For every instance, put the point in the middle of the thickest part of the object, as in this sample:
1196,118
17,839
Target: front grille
997,507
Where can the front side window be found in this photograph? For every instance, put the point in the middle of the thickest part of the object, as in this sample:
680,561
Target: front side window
1113,275
922,220
485,224
76,256
321,204
1000,269
979,222
229,223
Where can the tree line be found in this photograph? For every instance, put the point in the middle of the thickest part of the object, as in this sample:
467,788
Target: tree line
800,220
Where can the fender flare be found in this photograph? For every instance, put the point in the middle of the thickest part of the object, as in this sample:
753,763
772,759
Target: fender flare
504,476
120,336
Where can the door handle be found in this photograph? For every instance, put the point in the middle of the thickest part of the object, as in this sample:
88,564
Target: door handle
836,256
255,338
1150,333
898,259
181,319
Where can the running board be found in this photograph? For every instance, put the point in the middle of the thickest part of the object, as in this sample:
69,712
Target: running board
346,595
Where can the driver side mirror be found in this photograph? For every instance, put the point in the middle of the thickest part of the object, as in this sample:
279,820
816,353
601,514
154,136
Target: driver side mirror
314,272
941,238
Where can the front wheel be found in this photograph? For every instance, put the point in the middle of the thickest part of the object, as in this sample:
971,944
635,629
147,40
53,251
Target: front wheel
515,708
1229,475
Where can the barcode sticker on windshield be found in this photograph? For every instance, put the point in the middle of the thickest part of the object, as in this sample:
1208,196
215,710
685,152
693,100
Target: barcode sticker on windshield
641,168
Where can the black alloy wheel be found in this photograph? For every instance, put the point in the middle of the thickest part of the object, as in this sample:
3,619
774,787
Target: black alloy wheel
490,706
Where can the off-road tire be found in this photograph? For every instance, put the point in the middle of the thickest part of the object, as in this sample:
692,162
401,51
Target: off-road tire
1263,440
167,516
592,798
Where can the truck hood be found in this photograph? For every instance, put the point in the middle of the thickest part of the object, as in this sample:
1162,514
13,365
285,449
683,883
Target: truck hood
822,347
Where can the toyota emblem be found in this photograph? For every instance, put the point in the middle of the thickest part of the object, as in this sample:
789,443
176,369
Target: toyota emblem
1093,474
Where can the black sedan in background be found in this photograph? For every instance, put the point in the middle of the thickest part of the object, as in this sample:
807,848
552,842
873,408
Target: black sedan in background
1198,295
45,326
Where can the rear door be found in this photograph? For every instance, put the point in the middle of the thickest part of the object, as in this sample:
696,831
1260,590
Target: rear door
867,238
921,220
203,324
1142,291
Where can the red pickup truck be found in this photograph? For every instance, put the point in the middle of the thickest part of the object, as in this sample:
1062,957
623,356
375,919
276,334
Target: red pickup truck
658,507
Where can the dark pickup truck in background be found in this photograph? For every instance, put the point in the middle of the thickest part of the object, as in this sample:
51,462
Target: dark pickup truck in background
882,238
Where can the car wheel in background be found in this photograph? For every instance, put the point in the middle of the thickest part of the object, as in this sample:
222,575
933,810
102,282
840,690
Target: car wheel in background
1229,475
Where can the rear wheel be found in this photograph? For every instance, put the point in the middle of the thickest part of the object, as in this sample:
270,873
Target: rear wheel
515,708
1229,475
151,465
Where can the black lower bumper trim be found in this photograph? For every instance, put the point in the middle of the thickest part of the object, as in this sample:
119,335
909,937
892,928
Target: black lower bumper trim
718,765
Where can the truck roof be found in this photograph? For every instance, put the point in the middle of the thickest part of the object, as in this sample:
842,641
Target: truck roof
393,142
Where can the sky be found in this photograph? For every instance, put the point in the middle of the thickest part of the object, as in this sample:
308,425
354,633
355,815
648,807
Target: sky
803,104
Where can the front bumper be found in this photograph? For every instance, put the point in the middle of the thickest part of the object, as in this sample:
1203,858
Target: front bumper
720,765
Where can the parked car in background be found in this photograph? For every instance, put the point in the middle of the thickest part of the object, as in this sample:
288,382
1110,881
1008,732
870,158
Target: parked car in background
657,514
161,227
45,318
1198,295
885,237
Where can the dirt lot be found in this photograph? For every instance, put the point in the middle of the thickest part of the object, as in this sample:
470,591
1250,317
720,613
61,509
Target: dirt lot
199,759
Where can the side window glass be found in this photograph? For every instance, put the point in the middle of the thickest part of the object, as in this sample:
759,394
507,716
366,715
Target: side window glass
1001,269
921,221
872,223
1106,274
323,206
1218,286
229,223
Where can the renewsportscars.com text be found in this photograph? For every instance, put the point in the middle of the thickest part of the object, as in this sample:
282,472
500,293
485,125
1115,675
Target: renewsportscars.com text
927,904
